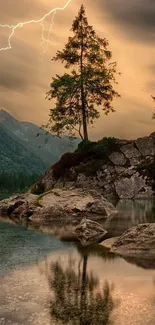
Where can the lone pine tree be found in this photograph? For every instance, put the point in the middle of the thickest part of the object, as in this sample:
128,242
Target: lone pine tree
80,93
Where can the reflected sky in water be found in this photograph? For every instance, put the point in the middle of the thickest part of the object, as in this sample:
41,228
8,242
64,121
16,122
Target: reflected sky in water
44,281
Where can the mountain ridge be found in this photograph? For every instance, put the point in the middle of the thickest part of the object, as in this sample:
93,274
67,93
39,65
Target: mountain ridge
26,141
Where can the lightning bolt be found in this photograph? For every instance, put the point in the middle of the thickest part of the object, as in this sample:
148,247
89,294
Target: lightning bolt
45,41
41,20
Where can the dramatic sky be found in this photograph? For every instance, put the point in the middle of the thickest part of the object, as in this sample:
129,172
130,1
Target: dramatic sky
130,28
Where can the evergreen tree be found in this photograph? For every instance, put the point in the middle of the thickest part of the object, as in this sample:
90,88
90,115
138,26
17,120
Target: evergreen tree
88,86
20,182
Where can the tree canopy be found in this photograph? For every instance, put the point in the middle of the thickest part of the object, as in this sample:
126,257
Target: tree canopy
89,84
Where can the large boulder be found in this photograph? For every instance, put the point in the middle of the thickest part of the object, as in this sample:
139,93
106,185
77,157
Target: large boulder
138,242
8,206
58,206
71,205
89,232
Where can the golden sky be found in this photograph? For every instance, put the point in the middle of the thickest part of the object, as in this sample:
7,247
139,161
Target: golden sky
130,28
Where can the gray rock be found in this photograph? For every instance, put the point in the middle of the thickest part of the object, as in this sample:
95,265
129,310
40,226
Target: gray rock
122,142
134,161
146,146
129,171
118,158
146,191
111,169
109,191
128,188
119,169
130,151
89,232
138,241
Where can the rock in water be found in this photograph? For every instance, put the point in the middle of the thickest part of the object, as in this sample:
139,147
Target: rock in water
89,232
58,207
138,242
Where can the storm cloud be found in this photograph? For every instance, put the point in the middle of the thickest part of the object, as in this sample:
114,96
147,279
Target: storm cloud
137,18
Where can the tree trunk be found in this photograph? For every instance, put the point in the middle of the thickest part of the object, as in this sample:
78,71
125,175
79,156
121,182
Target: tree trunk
83,291
84,117
85,132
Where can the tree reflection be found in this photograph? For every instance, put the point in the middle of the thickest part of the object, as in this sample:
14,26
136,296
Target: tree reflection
77,297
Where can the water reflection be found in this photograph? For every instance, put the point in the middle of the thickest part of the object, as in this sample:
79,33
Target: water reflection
78,298
143,263
130,213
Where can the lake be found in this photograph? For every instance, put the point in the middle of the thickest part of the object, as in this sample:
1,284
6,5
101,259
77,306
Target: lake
4,196
45,281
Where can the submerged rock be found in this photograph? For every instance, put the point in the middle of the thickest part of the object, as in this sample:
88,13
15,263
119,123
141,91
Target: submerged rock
89,232
138,242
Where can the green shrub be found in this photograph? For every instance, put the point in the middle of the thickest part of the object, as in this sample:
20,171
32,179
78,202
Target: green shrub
86,154
86,145
108,145
67,161
99,149
90,168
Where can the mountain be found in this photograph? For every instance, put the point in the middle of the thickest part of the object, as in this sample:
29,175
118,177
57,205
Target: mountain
25,147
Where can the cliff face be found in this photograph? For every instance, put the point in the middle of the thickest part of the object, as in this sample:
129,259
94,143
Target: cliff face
117,168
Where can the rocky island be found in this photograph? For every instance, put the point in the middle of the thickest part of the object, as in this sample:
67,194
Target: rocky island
122,169
80,184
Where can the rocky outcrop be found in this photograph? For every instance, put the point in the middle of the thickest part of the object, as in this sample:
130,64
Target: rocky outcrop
130,186
137,242
57,207
117,158
145,146
126,171
89,232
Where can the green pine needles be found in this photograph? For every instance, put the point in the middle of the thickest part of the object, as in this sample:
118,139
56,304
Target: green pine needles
88,86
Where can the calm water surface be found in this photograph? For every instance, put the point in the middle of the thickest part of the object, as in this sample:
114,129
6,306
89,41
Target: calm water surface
45,281
4,196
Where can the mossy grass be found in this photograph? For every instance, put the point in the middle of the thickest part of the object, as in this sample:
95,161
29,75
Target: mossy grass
38,199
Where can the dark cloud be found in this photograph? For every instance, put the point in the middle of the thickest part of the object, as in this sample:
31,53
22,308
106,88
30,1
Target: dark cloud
136,17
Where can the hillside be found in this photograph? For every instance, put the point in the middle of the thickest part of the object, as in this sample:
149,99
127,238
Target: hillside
24,147
15,157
